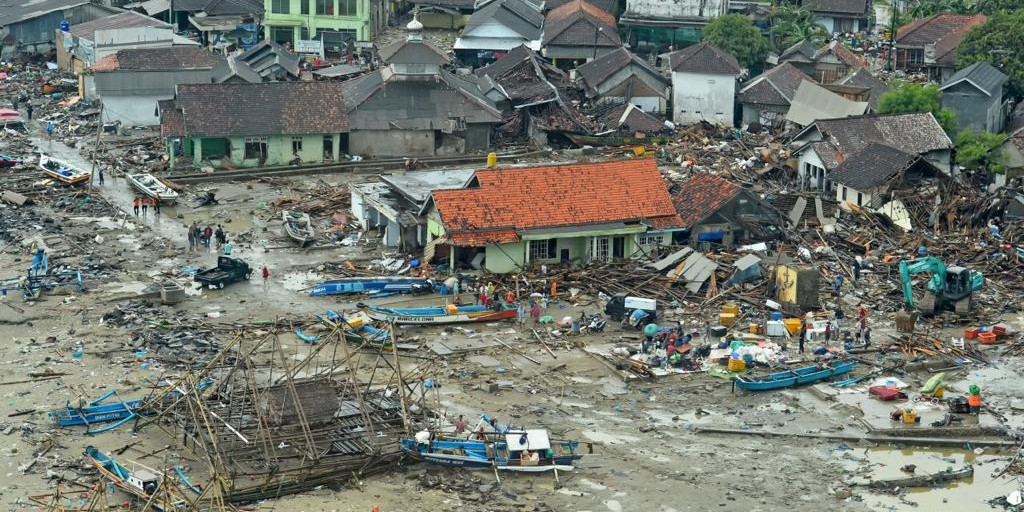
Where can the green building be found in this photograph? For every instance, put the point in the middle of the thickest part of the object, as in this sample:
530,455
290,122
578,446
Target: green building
335,22
509,219
250,125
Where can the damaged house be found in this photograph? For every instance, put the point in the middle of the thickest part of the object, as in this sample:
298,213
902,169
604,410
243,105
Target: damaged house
929,44
394,206
267,61
822,145
863,78
716,211
498,26
767,98
507,219
826,64
216,123
578,32
620,76
539,96
841,16
873,176
656,26
413,107
703,85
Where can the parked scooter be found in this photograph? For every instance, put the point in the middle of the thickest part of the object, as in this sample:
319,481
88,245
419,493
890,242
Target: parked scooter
592,324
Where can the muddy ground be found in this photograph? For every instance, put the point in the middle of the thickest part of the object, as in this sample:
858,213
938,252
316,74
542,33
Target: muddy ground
650,453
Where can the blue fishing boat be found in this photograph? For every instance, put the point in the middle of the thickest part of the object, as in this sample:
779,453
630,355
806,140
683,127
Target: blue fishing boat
450,314
372,285
511,450
97,412
796,377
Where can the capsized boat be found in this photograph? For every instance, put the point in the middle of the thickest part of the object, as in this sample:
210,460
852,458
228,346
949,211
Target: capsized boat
135,479
298,226
351,285
150,186
793,378
508,449
63,171
450,314
357,329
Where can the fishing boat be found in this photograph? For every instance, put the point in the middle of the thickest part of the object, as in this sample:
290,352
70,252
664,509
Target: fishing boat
357,330
792,378
374,285
511,450
931,480
96,412
298,226
63,171
450,314
135,479
149,186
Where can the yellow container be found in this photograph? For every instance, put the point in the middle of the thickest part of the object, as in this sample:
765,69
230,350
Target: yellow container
940,392
737,365
452,309
793,325
727,319
354,322
909,417
754,328
492,159
731,308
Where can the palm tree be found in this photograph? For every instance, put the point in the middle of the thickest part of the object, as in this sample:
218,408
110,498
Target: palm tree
792,23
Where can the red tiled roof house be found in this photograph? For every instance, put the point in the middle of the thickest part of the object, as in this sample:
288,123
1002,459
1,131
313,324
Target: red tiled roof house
522,216
930,44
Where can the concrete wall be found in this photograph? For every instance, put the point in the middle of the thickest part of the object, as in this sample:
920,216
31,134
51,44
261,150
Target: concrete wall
685,9
974,109
809,157
279,150
443,20
397,143
132,110
295,18
478,136
941,159
697,96
850,195
503,258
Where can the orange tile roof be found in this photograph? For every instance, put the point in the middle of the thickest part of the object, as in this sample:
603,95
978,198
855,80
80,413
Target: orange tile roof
701,196
502,202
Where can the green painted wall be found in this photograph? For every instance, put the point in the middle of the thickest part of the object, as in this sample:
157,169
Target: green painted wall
279,150
506,258
360,22
434,228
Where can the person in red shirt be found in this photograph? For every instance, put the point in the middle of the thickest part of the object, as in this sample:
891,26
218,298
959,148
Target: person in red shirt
135,203
266,277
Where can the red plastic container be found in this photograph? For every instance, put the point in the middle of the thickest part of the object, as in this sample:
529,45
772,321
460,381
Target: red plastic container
971,333
998,330
986,338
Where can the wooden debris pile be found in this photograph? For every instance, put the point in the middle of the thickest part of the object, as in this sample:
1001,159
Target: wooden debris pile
324,199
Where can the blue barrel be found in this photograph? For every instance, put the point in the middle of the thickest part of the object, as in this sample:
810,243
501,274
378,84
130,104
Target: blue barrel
65,25
776,315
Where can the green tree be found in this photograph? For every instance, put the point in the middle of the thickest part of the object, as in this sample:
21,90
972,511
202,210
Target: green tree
925,8
998,42
980,151
792,23
910,97
736,34
993,6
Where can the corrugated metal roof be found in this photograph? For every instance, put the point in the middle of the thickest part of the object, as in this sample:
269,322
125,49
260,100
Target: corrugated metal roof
813,102
981,75
13,11
128,19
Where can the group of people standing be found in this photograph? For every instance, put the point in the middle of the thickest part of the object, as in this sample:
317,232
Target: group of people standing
201,237
144,202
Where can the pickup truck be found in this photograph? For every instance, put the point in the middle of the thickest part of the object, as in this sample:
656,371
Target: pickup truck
227,271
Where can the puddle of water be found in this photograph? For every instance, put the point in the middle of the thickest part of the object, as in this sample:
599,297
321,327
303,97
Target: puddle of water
966,494
296,281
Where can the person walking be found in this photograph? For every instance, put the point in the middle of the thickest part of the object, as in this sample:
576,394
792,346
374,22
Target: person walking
867,336
837,285
521,314
30,109
101,174
207,235
191,239
145,205
219,234
803,334
535,314
266,277
156,206
227,248
49,131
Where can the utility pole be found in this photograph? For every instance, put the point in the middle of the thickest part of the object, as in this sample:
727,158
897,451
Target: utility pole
96,150
892,36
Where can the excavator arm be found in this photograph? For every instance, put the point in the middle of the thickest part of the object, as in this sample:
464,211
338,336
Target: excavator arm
927,264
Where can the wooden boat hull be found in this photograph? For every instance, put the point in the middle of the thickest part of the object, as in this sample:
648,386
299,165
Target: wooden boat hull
406,317
370,285
793,378
118,474
924,480
149,186
62,171
480,461
70,416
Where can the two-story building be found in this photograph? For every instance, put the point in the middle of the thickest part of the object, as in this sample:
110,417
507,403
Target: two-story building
703,84
336,23
656,26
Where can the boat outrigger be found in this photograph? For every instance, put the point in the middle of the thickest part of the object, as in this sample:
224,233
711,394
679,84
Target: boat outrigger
449,314
98,412
149,186
489,447
63,171
793,378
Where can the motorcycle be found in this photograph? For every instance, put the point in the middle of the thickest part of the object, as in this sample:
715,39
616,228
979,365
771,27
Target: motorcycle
592,324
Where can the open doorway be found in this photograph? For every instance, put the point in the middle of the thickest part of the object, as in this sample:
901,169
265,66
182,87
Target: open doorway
328,148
